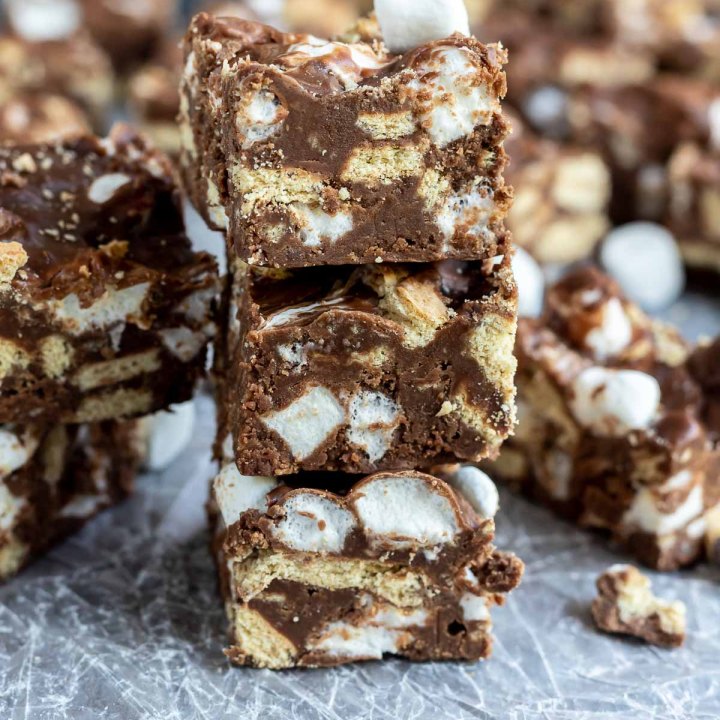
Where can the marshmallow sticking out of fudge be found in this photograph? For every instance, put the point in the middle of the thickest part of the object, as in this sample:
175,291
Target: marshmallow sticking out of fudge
613,430
626,605
106,310
395,563
313,152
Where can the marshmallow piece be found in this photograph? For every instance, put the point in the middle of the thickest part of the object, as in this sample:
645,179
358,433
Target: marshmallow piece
530,283
307,422
168,434
373,420
236,493
10,507
645,261
405,24
547,109
104,187
406,510
15,451
41,20
613,402
613,334
314,522
477,488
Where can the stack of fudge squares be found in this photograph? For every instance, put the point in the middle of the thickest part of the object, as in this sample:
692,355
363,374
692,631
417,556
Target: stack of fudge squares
105,316
366,354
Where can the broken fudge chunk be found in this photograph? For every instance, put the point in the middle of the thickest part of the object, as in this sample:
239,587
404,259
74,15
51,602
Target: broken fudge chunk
373,367
626,605
31,118
105,310
55,478
611,430
395,563
313,152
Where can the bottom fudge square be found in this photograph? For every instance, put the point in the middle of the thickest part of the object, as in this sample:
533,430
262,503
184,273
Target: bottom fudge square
611,427
359,369
54,479
396,563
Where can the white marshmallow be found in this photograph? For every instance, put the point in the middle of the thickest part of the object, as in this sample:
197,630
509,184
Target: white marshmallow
314,523
103,188
405,511
284,317
236,493
347,640
307,422
182,342
259,116
15,451
449,99
168,433
547,109
405,24
471,210
318,227
612,402
474,608
115,306
373,420
530,283
477,488
645,514
613,334
644,259
40,20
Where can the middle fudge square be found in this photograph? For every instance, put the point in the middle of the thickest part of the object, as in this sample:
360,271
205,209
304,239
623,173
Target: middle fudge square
311,152
367,368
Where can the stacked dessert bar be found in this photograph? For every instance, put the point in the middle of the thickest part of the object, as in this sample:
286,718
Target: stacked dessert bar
617,422
370,315
105,315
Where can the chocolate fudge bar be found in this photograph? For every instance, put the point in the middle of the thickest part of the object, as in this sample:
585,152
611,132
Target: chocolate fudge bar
694,207
611,427
54,478
74,67
312,152
395,563
367,368
31,118
562,195
626,605
106,311
154,99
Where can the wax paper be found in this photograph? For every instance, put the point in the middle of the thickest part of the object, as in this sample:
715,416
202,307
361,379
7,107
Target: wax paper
123,622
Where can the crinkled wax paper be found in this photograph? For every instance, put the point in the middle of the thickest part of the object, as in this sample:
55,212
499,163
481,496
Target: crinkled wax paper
123,622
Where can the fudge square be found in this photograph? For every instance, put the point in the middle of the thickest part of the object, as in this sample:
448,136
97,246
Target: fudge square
313,152
395,563
53,478
365,368
611,429
105,310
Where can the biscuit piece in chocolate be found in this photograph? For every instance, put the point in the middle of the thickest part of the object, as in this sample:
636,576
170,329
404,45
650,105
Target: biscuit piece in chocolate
55,478
105,310
74,67
625,605
611,429
31,118
313,152
562,195
363,368
394,563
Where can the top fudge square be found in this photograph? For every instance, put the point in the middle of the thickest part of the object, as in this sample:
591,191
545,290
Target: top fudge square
310,152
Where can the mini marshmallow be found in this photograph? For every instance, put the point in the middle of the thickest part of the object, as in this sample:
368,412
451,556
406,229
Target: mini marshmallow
15,450
41,20
104,187
530,283
477,488
236,493
307,422
405,510
612,402
405,24
614,333
168,433
373,420
644,259
547,109
314,523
